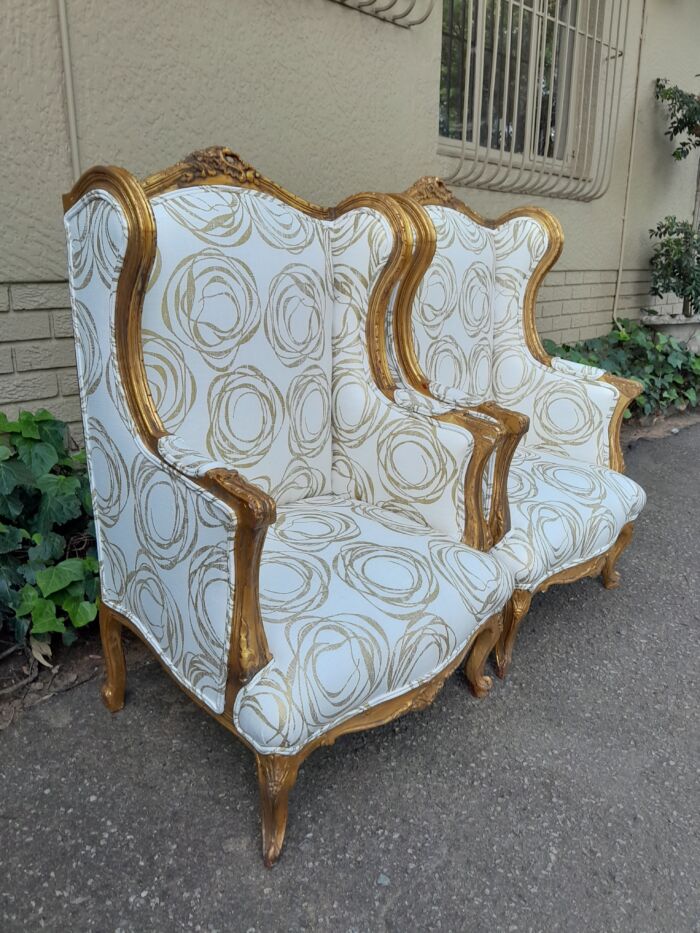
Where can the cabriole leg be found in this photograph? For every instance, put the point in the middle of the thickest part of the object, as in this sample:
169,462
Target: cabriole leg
276,777
484,643
611,577
514,613
115,665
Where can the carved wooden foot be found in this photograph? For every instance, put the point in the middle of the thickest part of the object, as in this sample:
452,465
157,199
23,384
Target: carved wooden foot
514,613
115,666
484,643
276,777
611,577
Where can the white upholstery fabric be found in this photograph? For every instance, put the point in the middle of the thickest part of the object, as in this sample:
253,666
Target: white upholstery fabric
381,451
236,334
360,603
566,505
569,410
562,513
360,600
453,319
165,545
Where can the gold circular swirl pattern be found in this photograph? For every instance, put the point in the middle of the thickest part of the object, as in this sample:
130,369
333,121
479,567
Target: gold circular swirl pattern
476,300
215,215
170,379
296,314
108,473
149,600
403,518
313,529
437,298
394,579
518,233
280,225
565,413
454,227
425,646
309,407
211,304
270,710
247,414
301,480
211,580
446,362
163,513
99,244
555,530
87,348
414,459
356,409
341,664
291,584
113,570
475,576
514,378
576,482
350,476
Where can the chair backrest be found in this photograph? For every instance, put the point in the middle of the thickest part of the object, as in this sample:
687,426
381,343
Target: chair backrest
453,314
236,333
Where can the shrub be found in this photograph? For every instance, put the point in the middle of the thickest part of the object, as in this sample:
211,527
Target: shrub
675,263
668,371
48,562
683,109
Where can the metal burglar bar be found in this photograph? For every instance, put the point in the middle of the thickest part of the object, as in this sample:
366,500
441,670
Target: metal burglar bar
404,13
530,93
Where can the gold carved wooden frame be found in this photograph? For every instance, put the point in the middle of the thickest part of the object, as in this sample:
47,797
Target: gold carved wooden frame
255,510
431,190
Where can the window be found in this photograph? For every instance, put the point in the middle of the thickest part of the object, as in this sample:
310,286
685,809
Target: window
529,92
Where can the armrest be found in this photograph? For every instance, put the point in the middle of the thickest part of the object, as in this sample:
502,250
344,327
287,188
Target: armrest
479,446
513,426
255,511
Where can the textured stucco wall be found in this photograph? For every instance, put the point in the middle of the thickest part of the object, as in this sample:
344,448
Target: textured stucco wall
324,100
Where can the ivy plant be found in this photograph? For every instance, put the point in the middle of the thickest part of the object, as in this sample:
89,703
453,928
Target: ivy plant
675,262
48,562
683,109
669,372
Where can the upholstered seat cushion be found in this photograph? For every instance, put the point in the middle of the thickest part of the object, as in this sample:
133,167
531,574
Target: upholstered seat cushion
360,603
562,512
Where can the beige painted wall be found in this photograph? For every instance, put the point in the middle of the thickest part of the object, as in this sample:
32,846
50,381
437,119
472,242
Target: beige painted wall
323,99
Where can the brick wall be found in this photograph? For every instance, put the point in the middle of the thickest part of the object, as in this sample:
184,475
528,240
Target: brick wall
37,357
37,354
577,305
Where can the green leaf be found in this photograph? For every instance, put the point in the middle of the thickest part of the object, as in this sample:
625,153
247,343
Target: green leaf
38,456
60,575
14,473
69,637
44,618
5,452
80,611
27,425
11,538
11,506
28,598
59,502
47,547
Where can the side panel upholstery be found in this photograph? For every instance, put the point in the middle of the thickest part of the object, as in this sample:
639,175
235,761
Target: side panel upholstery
568,416
165,545
236,334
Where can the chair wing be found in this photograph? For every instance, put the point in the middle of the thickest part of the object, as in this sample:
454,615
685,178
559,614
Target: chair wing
166,544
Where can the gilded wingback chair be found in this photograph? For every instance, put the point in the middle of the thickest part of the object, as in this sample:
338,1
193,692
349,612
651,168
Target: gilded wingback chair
292,544
471,340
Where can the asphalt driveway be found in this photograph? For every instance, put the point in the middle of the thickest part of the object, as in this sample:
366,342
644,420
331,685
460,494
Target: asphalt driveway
569,799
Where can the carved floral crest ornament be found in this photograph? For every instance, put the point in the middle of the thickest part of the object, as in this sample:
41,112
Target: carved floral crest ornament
306,532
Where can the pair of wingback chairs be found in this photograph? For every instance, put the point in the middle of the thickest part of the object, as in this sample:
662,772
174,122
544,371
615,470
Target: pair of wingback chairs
330,460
